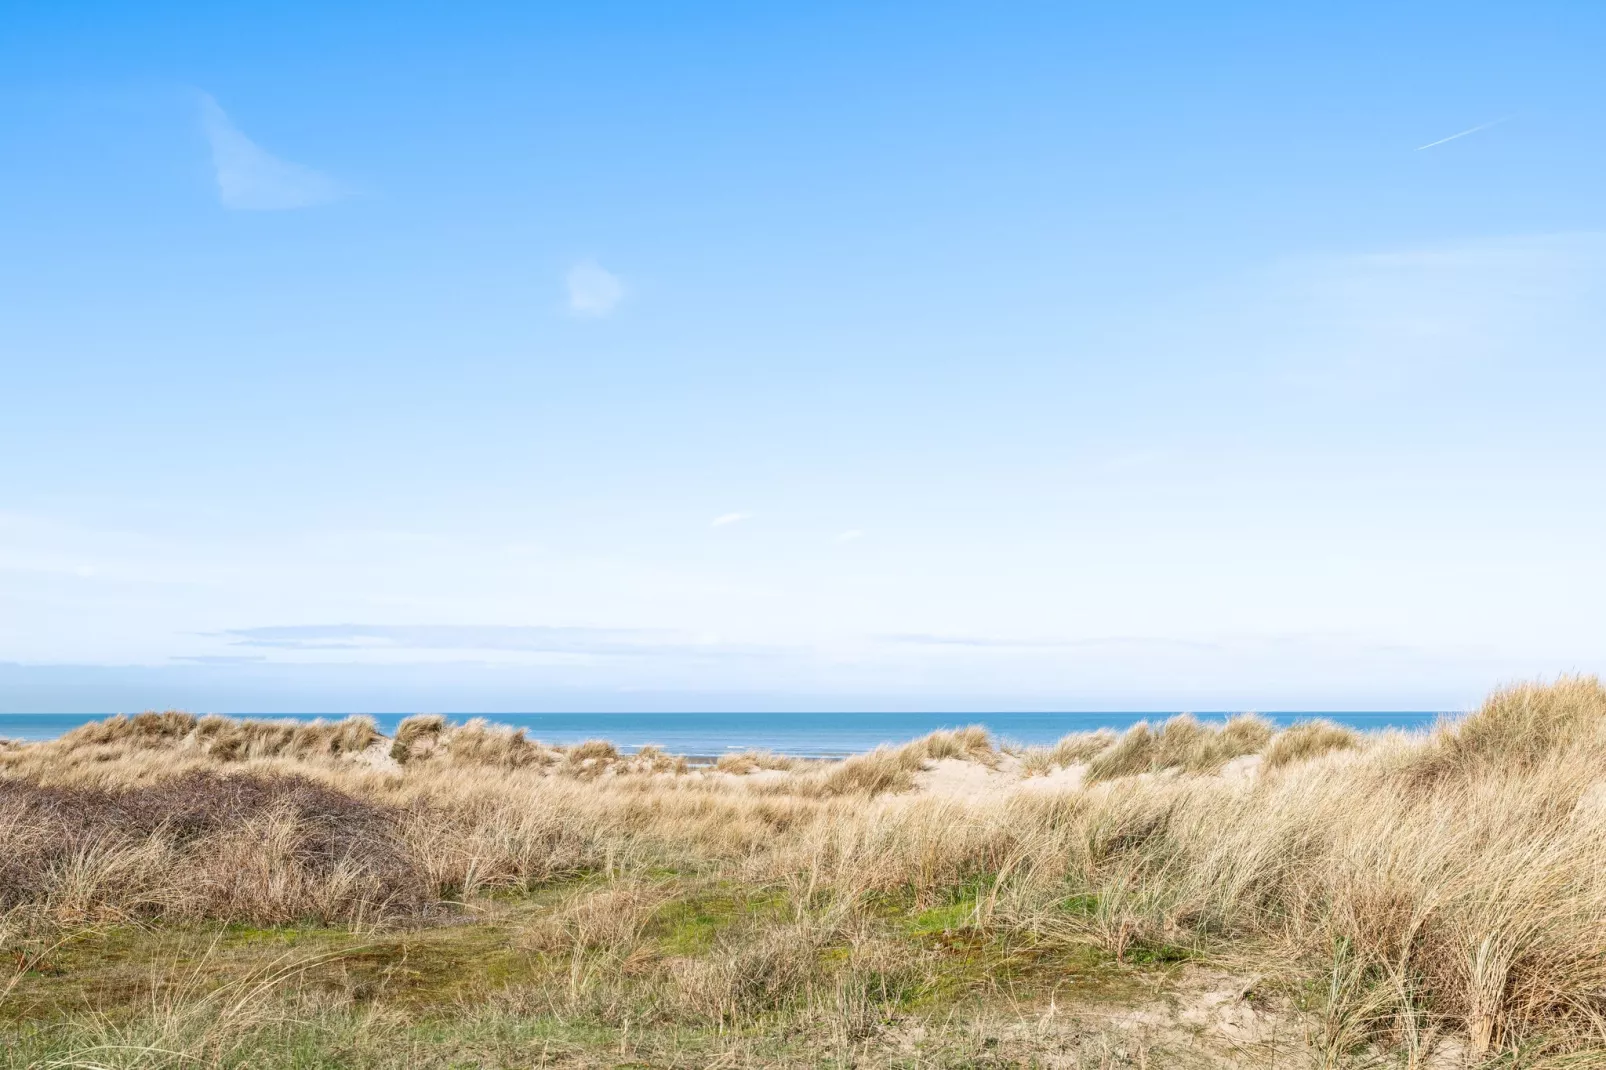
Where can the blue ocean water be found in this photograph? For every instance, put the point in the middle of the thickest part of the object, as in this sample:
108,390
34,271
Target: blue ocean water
801,734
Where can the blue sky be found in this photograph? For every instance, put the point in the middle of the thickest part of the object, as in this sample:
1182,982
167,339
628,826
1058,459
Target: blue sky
618,356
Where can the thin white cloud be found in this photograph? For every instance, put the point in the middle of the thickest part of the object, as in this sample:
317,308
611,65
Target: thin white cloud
730,518
1381,323
848,536
251,178
1464,133
380,637
594,291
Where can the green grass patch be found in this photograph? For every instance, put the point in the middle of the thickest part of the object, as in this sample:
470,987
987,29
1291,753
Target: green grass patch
1161,954
1080,904
944,919
689,925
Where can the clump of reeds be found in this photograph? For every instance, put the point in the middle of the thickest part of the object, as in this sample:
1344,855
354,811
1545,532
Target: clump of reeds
1183,744
893,769
417,737
1306,740
970,743
751,761
1074,749
590,759
429,738
223,738
148,728
1523,725
230,740
651,759
480,743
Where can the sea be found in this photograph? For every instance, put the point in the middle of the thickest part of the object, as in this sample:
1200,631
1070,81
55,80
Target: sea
808,735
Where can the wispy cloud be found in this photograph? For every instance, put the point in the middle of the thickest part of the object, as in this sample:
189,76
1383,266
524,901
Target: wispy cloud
533,638
848,536
365,642
1380,323
730,518
219,659
981,642
594,291
1464,133
253,179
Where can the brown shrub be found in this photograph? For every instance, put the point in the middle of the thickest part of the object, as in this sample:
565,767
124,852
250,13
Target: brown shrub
264,848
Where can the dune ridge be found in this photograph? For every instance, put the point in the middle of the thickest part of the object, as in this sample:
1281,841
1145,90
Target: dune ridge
1431,895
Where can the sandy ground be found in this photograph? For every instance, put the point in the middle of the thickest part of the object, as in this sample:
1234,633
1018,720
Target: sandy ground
958,778
952,778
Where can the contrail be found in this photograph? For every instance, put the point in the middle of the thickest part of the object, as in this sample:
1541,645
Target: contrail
1464,133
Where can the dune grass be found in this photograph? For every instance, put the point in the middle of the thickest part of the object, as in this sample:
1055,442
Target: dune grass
1182,744
1075,749
753,761
1307,740
1362,900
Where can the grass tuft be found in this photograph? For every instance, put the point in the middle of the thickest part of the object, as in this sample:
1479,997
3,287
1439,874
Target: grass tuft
1307,740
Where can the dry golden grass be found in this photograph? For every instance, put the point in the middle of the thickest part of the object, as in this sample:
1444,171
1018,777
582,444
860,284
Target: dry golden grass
1444,884
610,920
417,737
893,769
1307,740
229,740
1077,748
1183,744
651,759
751,761
1527,725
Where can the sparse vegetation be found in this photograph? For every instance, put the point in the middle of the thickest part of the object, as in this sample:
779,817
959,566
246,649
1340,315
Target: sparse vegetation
893,769
1075,749
178,892
753,761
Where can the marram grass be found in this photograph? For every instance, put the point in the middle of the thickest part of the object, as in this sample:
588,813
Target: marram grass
203,892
